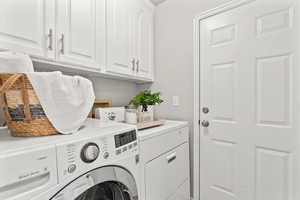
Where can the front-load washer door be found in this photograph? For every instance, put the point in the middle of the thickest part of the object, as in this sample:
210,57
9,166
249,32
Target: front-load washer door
107,183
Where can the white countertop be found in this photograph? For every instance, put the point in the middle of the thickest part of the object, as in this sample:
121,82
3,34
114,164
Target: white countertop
9,143
92,128
156,131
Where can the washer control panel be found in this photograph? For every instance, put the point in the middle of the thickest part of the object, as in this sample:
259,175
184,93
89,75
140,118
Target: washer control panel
77,157
125,142
125,138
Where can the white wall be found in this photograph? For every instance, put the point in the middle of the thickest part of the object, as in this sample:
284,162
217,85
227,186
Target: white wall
174,55
120,92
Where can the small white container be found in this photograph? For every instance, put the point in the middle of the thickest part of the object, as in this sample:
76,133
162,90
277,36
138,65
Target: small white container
131,115
116,114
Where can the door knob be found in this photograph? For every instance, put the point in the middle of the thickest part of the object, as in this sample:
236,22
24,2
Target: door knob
205,123
205,110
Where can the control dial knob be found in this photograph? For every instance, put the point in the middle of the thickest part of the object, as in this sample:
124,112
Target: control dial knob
90,152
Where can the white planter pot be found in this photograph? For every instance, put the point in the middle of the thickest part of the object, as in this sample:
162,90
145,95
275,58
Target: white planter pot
146,116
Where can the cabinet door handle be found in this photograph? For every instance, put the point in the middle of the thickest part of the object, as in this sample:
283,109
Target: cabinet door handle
137,65
62,40
50,37
171,158
133,64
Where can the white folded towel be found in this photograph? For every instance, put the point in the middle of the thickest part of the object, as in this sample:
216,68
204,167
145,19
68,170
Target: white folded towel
66,100
11,62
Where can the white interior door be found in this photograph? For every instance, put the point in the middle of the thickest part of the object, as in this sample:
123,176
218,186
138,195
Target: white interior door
250,76
28,26
76,33
120,16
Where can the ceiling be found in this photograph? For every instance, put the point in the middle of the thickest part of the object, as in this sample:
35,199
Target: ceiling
156,2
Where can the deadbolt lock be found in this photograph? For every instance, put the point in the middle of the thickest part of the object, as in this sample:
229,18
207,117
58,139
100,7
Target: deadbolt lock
205,110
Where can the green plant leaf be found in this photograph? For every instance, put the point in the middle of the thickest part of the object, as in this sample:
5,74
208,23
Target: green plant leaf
146,98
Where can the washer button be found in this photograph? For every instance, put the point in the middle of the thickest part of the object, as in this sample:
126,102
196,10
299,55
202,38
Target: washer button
71,168
118,151
124,149
106,155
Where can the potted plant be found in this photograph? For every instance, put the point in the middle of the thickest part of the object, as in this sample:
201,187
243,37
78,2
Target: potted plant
145,102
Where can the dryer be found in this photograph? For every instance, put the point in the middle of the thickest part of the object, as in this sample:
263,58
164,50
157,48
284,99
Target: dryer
100,162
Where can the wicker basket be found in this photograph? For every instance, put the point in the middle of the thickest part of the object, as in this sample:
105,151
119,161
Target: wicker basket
23,112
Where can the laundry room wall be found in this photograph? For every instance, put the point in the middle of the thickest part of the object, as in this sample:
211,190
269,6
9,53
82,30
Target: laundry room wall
174,57
120,92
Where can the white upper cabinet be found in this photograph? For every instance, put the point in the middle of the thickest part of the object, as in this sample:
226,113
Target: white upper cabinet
120,50
28,26
144,40
114,37
77,32
101,33
130,38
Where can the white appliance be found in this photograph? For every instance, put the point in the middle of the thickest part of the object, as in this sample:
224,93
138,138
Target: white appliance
102,159
165,163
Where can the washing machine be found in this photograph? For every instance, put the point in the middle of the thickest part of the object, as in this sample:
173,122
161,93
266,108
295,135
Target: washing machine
100,162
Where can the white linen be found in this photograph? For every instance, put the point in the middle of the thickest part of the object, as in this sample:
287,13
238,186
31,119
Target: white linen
11,62
66,100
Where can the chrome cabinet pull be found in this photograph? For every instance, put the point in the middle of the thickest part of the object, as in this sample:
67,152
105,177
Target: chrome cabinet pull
50,37
133,64
171,157
137,65
62,39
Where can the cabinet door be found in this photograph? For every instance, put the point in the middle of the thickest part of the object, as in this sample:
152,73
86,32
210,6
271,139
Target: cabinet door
144,41
165,174
76,35
25,27
120,36
101,33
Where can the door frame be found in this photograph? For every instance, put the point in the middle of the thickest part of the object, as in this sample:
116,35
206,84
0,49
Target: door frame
197,170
